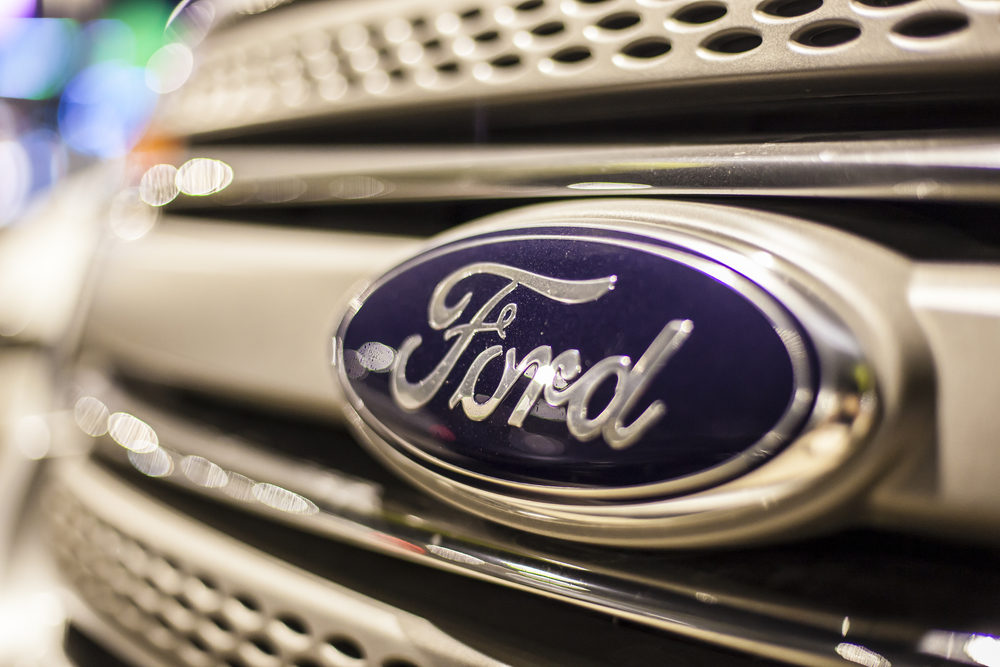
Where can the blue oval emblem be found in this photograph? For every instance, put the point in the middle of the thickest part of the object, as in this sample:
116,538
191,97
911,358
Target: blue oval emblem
578,358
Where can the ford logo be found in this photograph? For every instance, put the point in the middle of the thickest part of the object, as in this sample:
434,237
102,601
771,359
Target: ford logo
579,358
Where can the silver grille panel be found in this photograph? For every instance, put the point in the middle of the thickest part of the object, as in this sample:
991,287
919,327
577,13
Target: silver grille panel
329,59
197,598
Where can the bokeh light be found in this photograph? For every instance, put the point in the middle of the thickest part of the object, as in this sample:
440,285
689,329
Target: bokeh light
36,56
105,108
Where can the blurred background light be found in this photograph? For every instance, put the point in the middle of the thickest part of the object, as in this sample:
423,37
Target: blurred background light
109,40
105,108
36,56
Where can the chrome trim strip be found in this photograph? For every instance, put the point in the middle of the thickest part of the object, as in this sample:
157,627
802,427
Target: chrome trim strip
935,168
311,61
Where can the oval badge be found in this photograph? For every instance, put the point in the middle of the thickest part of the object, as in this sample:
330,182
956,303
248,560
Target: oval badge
576,361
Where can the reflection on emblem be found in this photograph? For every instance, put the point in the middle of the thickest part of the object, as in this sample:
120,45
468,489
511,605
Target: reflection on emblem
567,364
551,377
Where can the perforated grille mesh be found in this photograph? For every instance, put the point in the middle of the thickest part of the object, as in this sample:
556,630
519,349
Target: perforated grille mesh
195,605
328,58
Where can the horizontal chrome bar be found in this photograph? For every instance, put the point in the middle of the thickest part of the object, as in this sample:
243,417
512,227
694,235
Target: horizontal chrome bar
934,168
357,512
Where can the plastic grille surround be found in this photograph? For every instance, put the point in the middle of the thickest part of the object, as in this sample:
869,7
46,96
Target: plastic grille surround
355,57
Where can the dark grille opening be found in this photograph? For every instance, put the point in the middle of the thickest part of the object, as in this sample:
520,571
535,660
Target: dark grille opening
699,13
925,26
733,43
790,8
571,55
647,48
619,21
825,35
84,651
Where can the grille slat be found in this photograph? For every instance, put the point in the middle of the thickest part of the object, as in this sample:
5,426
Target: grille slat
343,59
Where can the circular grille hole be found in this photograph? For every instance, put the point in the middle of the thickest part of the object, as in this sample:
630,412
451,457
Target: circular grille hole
396,662
448,68
528,5
932,25
305,663
248,602
827,35
432,44
264,645
885,3
573,54
647,48
488,36
234,662
550,28
184,602
198,643
347,646
619,21
790,8
700,13
508,60
295,624
470,14
731,43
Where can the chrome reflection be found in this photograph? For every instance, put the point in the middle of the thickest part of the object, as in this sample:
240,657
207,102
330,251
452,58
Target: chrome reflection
861,655
969,648
984,649
282,499
239,487
154,463
606,185
203,472
158,186
132,433
91,416
203,176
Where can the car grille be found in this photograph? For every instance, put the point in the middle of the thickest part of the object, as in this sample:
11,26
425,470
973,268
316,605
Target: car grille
256,530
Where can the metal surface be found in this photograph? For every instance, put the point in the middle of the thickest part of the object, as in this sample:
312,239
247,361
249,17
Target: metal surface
917,167
309,60
357,512
236,309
